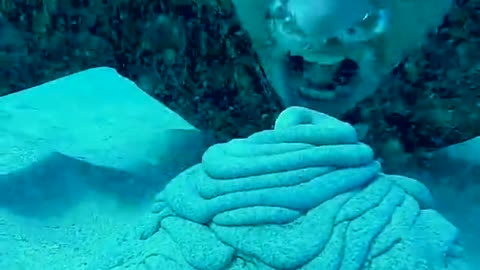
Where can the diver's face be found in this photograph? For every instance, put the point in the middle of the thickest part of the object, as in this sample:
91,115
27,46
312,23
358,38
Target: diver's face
327,17
305,26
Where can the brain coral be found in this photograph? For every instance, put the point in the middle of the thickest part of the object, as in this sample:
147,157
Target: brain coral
304,195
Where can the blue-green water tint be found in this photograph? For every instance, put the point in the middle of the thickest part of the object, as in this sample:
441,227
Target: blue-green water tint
83,166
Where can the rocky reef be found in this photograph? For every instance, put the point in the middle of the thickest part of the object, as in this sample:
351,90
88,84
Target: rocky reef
191,55
430,100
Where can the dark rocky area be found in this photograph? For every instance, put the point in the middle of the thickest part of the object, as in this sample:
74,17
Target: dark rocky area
431,99
192,56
